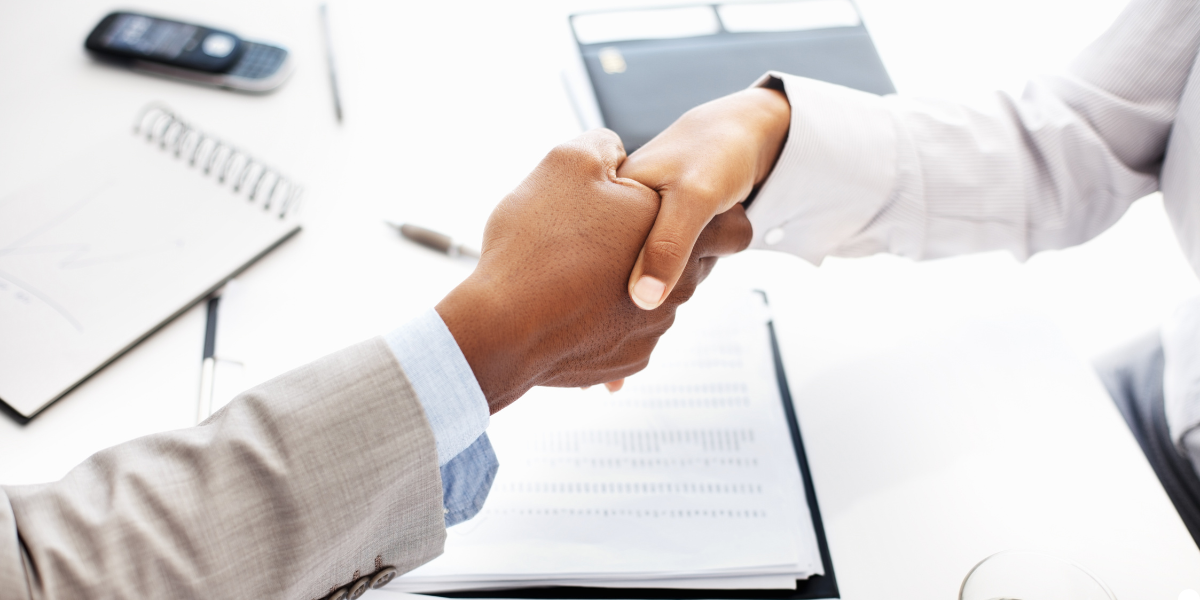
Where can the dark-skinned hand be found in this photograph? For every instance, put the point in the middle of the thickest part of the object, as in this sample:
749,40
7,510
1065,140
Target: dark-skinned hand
548,303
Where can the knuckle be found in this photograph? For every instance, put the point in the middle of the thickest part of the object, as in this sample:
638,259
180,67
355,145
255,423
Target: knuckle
608,136
743,231
728,233
596,150
664,324
683,293
706,267
666,250
572,154
640,365
696,272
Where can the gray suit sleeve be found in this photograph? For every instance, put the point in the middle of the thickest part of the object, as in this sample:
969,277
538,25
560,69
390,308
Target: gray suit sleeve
298,487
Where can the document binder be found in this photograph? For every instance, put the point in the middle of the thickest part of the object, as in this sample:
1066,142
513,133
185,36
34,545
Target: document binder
815,587
119,242
637,85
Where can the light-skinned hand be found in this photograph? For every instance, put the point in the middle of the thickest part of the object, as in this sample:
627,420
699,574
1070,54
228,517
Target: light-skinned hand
702,165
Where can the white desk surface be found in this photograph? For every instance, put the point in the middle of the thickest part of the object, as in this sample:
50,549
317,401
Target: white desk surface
920,471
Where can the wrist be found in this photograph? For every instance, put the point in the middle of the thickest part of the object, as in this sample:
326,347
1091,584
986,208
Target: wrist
769,114
492,339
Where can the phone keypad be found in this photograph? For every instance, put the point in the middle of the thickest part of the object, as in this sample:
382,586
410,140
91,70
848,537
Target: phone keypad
258,61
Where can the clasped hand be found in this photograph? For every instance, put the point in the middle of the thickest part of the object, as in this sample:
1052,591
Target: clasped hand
705,163
548,302
584,264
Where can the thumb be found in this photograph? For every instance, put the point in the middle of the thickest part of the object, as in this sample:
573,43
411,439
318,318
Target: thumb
667,250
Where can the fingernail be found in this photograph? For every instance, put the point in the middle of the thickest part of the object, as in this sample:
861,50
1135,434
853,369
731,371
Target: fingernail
648,292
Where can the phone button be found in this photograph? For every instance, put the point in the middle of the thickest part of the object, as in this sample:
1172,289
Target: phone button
218,45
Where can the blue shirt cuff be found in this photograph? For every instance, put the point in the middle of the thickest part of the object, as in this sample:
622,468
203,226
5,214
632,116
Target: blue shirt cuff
467,479
445,385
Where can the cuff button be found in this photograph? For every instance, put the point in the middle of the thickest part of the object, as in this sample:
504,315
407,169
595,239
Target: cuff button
773,236
383,577
339,594
358,589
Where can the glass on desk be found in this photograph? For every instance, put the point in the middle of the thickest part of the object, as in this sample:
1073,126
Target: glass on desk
1022,575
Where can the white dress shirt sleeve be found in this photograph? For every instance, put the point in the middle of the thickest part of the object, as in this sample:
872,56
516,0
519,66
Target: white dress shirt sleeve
834,175
440,375
862,174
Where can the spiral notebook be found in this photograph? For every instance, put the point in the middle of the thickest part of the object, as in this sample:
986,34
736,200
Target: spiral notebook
121,240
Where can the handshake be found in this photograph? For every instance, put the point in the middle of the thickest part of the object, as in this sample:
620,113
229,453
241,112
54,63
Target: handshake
337,469
584,264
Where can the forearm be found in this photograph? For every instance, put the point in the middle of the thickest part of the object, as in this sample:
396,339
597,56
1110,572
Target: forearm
496,336
926,178
298,486
320,478
456,409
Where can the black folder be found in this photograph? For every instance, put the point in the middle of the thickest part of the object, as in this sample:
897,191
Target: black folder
817,586
661,79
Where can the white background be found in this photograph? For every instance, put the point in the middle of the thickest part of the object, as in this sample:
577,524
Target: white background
448,105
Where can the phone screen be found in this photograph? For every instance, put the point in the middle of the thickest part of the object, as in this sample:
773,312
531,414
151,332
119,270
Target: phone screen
133,35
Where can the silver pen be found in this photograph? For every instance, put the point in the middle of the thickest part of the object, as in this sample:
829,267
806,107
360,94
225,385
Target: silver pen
208,368
434,240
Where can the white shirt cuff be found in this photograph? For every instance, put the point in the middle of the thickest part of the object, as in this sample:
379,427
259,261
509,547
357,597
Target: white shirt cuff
440,375
836,171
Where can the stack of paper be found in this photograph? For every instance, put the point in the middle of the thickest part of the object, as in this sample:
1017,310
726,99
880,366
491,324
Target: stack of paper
685,479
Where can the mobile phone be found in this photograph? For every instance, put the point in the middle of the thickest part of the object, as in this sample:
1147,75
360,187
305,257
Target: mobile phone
189,52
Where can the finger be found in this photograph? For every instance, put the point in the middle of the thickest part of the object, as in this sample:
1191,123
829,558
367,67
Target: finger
650,166
667,249
615,386
696,272
727,233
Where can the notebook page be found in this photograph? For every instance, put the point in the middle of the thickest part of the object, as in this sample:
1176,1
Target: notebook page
92,260
688,473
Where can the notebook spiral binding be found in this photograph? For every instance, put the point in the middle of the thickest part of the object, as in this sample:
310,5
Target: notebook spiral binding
278,194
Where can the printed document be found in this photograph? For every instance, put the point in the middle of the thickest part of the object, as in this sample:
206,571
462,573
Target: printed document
687,478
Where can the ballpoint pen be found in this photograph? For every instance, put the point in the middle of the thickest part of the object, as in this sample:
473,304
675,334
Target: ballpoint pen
208,367
434,240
